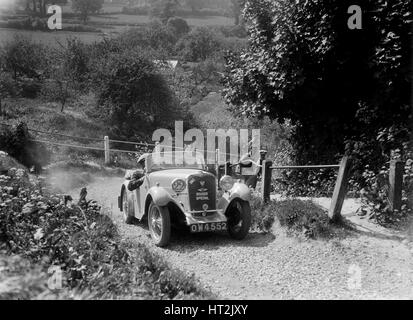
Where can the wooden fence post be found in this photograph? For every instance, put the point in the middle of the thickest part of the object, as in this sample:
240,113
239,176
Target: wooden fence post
395,184
266,180
107,151
340,189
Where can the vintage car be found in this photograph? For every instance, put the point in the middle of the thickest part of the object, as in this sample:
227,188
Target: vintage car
185,195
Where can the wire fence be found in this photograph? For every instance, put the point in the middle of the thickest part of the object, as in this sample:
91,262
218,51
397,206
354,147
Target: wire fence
106,143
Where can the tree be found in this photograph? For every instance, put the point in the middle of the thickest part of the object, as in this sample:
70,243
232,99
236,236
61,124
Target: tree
198,45
86,7
22,57
339,86
195,5
164,9
132,95
179,25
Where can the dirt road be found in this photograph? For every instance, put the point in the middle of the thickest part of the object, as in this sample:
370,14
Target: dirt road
361,265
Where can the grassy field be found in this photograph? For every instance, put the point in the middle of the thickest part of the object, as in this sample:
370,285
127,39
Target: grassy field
126,19
50,38
110,25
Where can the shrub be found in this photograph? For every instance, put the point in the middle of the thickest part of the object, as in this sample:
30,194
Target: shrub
136,10
179,25
29,88
8,86
305,183
27,24
299,217
80,28
81,241
16,142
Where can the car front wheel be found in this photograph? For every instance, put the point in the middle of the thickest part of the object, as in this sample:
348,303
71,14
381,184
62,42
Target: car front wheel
239,219
159,223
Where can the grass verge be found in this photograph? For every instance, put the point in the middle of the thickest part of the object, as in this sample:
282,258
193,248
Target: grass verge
40,235
297,216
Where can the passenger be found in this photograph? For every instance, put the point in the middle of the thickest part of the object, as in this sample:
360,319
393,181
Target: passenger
138,177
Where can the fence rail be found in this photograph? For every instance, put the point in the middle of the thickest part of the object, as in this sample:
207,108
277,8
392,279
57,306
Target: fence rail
322,166
340,189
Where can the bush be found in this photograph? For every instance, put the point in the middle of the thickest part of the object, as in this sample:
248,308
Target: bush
80,28
305,183
8,86
16,142
136,10
81,241
27,24
179,25
299,217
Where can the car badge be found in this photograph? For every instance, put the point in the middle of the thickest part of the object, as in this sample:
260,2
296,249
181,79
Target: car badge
202,183
205,207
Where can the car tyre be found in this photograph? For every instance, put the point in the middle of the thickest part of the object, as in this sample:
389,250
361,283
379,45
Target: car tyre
159,223
239,219
128,208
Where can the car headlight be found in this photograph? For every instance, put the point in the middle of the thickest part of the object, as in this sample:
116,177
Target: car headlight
226,183
178,185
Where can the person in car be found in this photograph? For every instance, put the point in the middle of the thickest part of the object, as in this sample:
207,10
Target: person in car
137,177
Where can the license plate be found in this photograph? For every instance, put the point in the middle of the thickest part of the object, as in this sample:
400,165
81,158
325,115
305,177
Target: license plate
209,227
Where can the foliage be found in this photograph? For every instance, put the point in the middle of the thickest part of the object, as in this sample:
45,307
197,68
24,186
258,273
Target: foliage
28,23
305,183
76,57
81,241
23,57
179,25
302,60
299,217
156,37
132,94
164,9
198,45
375,193
16,142
238,31
86,7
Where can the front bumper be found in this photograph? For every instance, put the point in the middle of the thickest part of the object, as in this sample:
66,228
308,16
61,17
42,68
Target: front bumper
217,216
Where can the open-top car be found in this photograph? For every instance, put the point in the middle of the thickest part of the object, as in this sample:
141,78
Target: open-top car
184,194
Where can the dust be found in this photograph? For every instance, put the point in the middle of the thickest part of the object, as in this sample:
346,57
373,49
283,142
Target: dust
64,180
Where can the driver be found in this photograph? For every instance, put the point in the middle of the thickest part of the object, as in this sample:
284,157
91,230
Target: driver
138,176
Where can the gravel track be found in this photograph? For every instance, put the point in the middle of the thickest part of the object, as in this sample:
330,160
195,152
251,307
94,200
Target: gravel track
275,266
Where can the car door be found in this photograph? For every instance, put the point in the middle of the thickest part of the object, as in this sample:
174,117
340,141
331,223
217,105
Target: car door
143,192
